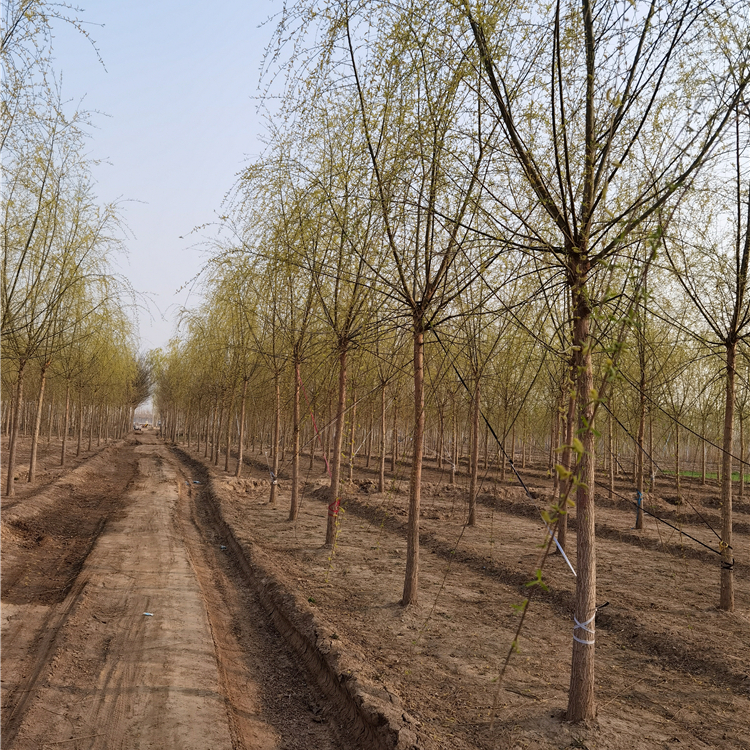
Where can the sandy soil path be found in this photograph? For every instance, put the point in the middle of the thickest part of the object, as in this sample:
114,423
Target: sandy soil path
144,650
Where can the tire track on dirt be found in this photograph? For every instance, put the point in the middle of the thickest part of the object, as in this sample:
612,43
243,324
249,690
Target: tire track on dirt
118,675
231,641
58,527
44,647
37,571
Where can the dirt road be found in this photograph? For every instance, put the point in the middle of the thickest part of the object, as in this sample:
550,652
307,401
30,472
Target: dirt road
152,641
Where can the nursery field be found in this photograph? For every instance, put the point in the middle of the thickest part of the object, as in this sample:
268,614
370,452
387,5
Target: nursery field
152,600
474,236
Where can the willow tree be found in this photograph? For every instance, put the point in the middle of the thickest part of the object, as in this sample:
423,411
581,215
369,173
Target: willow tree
299,230
710,259
29,82
342,255
230,291
56,243
419,120
43,160
277,222
600,132
484,329
742,400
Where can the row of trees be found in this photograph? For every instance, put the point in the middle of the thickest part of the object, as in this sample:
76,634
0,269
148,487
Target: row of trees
683,422
64,328
544,205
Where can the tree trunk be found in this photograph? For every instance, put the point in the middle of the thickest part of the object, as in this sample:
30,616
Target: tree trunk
214,416
352,436
441,439
640,464
567,461
554,441
651,464
276,435
253,435
80,422
217,441
726,598
474,454
294,504
10,489
487,447
718,466
581,699
99,426
328,433
7,408
229,427
333,498
381,474
37,425
554,436
91,427
741,490
454,444
677,469
241,438
369,437
394,441
504,461
66,424
612,459
411,579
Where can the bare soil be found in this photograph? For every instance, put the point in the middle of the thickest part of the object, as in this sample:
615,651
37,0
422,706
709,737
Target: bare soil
260,637
672,669
124,624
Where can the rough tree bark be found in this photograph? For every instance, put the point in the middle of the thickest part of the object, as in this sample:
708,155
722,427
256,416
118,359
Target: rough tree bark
581,699
383,428
241,439
276,436
66,424
294,503
10,489
411,580
37,423
726,596
333,497
474,454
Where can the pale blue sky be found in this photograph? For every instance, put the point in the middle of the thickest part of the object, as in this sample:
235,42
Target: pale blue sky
180,122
